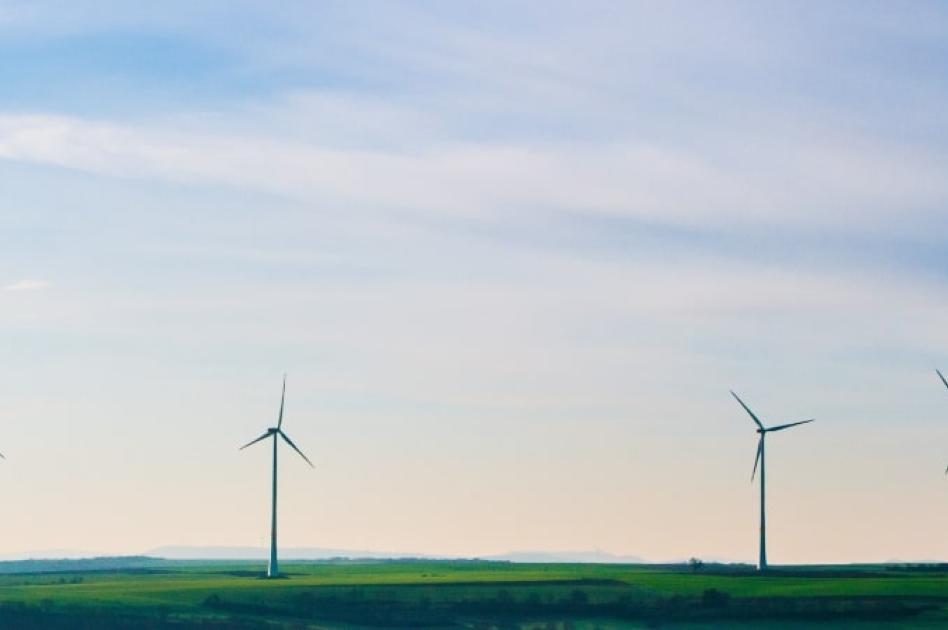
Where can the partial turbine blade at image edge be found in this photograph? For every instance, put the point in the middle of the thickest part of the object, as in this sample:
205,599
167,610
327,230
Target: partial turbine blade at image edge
781,427
265,435
747,409
942,377
282,399
295,448
760,446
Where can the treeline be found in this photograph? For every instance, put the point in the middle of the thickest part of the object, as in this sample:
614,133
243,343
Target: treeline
356,607
46,616
107,563
381,608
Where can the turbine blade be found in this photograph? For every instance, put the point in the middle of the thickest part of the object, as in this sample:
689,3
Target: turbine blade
295,448
781,427
265,435
760,445
282,398
747,409
942,377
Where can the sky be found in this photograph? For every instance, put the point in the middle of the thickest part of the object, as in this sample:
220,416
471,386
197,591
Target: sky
512,257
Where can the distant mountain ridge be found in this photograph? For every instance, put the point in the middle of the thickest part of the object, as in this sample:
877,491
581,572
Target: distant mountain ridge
198,552
71,565
184,552
321,553
588,557
57,554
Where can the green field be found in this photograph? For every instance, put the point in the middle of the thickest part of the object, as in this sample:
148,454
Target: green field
146,593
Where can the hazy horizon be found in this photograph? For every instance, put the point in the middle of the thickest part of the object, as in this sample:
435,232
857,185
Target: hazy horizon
512,258
213,552
297,554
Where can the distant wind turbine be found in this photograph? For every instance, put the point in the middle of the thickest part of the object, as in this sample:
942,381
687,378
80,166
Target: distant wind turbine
942,377
273,569
763,431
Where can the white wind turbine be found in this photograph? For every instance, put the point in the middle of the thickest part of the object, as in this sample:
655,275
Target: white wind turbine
273,569
942,377
763,431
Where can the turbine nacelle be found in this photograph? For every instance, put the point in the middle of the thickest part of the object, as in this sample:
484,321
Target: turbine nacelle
277,430
763,431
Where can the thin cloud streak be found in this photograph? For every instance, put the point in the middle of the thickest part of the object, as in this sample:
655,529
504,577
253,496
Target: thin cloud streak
26,285
834,183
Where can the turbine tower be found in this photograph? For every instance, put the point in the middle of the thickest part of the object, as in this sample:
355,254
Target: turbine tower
763,431
273,569
942,377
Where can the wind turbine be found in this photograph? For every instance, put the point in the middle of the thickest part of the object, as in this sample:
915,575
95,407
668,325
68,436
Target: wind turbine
273,569
763,431
942,377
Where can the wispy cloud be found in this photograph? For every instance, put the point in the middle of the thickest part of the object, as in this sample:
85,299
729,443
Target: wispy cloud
27,285
842,181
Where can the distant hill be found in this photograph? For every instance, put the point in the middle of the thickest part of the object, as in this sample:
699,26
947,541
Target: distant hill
261,553
66,565
320,553
589,557
68,559
59,554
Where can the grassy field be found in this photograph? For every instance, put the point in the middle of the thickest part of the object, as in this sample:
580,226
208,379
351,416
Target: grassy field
159,594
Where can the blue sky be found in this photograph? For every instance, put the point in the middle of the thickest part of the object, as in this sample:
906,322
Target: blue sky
512,255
